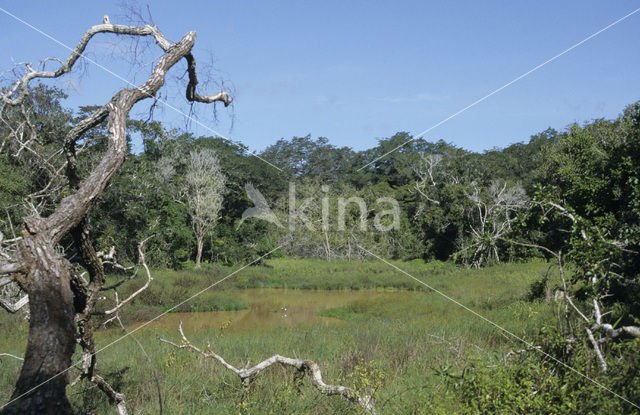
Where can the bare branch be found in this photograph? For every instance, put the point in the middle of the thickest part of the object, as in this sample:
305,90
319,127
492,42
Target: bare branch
20,87
11,268
114,396
192,95
565,212
137,292
247,374
5,280
530,245
109,258
596,348
14,308
425,172
74,207
10,355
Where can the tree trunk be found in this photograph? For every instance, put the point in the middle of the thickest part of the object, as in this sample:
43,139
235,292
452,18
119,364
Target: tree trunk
51,341
200,241
44,274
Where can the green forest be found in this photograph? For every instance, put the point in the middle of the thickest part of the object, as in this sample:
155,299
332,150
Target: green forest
455,205
541,236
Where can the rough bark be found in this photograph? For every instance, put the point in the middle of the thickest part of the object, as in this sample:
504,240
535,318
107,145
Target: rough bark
51,339
58,297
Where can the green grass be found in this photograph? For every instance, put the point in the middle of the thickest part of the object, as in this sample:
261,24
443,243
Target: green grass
337,275
170,288
311,274
401,342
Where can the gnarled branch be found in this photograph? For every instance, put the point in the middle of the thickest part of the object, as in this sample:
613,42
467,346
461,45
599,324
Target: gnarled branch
15,307
74,207
124,302
64,297
116,397
304,366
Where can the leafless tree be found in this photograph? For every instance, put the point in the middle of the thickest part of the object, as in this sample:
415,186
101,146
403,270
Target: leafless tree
490,219
426,169
204,194
62,302
489,212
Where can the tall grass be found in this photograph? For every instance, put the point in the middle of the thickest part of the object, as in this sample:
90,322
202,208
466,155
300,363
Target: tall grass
403,341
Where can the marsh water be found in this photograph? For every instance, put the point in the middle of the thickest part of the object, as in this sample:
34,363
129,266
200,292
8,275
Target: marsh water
272,308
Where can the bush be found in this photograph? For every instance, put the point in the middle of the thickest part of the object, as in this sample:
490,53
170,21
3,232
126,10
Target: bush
534,384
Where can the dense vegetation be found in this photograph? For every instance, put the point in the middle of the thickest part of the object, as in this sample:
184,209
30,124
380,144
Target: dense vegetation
147,197
570,197
402,345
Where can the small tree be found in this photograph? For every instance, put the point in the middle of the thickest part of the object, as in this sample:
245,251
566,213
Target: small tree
205,183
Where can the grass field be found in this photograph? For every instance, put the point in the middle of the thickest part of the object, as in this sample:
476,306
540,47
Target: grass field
399,347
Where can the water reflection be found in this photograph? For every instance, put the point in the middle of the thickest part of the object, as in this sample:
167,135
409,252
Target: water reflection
272,308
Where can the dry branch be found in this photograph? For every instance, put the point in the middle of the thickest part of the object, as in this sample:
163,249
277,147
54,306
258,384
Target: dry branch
15,307
592,319
62,301
10,355
5,280
247,374
120,304
115,396
86,341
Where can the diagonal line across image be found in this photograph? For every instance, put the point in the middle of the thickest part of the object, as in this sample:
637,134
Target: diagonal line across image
256,211
163,102
495,91
143,325
496,325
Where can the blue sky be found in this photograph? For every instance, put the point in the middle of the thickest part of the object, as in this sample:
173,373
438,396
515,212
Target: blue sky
358,71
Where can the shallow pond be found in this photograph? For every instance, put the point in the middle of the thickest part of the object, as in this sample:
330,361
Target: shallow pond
273,308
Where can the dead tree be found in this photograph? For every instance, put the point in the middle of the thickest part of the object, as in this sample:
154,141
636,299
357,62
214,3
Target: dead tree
488,211
248,374
61,301
426,172
490,219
